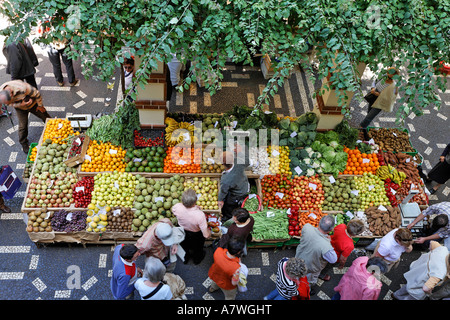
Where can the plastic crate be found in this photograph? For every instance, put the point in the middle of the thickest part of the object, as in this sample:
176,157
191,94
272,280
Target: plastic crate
29,152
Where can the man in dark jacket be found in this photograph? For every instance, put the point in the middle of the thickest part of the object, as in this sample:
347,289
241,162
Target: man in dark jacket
234,185
21,61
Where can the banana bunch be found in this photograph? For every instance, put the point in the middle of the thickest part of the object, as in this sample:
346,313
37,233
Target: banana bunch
174,137
389,172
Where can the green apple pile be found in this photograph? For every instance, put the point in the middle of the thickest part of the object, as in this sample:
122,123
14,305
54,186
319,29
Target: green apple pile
114,189
371,191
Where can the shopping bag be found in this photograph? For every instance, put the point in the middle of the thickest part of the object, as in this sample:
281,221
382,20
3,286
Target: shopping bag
9,182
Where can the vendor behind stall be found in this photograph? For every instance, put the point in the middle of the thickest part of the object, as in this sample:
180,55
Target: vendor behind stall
234,185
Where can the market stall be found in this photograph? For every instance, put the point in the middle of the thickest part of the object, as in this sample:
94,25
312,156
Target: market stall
84,190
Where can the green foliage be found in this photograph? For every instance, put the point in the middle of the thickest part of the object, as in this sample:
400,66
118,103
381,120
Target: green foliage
410,34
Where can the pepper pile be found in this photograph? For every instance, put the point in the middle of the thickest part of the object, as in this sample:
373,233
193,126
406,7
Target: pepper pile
391,188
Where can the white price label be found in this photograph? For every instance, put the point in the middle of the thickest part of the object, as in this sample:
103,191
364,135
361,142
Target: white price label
280,195
365,160
69,216
312,185
137,160
332,179
355,192
78,141
312,215
251,196
112,151
215,124
116,212
116,185
349,214
159,199
393,191
371,187
275,153
382,208
270,214
78,189
87,157
182,162
293,134
407,160
298,170
60,125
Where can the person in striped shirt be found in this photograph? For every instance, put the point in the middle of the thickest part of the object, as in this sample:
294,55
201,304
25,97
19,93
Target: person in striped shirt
25,99
290,273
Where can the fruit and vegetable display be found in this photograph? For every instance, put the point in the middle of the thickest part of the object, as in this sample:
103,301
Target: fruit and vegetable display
39,221
114,189
148,159
391,139
126,188
270,224
68,221
154,199
207,190
50,190
382,219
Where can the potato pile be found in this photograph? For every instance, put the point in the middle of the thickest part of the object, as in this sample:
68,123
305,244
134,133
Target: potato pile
39,221
391,139
120,219
381,222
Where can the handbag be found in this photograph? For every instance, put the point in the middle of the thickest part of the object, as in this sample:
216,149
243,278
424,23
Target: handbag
447,158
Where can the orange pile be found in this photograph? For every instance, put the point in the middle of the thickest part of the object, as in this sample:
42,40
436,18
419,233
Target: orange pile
33,154
356,164
103,158
58,130
190,163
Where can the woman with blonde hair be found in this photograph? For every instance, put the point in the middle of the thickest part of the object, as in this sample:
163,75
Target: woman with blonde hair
393,245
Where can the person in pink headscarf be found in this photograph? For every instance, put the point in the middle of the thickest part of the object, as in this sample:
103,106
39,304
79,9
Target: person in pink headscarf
361,281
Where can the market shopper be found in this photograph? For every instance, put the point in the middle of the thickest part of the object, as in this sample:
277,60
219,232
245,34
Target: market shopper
128,72
234,185
239,227
382,97
342,239
440,173
362,280
25,99
57,52
291,276
124,271
151,286
162,241
21,61
424,274
393,245
316,250
439,228
193,220
225,270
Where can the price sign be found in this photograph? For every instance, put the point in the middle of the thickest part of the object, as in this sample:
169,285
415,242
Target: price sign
112,151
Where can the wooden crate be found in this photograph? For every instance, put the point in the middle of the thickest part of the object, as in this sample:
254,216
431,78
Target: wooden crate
78,159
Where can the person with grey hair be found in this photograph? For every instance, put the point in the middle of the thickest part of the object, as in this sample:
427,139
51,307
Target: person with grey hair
316,250
151,285
290,272
193,220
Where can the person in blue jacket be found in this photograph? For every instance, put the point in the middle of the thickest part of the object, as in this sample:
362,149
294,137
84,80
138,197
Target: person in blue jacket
124,272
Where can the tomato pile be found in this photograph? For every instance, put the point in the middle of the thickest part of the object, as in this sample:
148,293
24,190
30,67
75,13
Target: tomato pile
391,188
283,192
76,146
140,141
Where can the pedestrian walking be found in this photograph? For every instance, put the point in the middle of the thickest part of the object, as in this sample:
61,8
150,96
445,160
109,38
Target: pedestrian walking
21,61
57,52
342,239
162,241
128,72
291,272
25,99
393,245
316,250
124,271
151,286
381,97
226,268
424,274
193,220
362,280
440,173
439,228
239,227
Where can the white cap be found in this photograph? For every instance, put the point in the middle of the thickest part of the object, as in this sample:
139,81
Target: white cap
164,232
